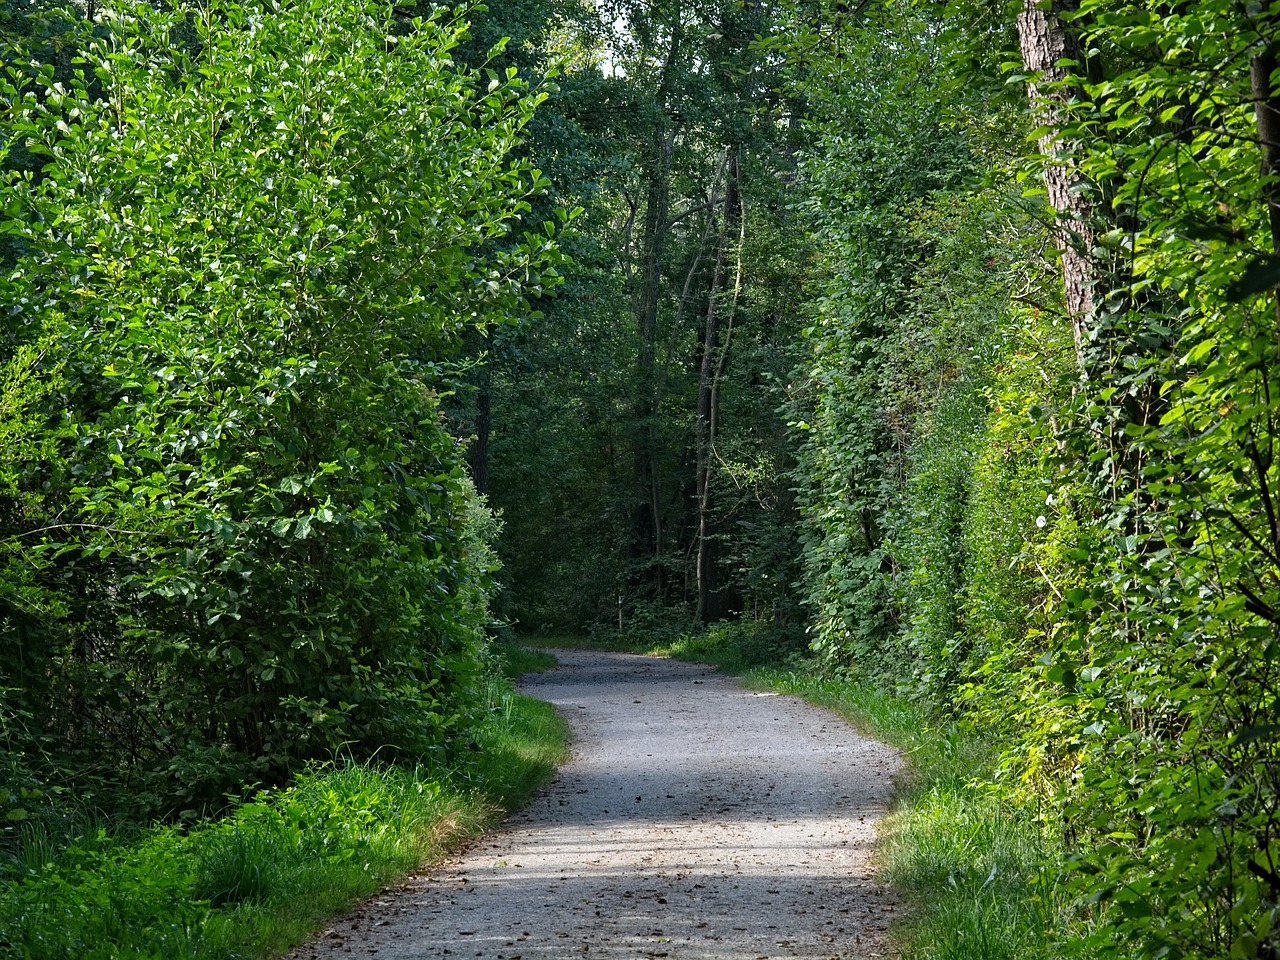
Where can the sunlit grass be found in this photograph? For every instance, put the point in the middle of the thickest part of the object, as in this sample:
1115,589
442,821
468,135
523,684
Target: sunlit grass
266,877
976,868
521,752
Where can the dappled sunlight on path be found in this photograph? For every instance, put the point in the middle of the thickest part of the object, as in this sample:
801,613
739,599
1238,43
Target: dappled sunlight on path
696,820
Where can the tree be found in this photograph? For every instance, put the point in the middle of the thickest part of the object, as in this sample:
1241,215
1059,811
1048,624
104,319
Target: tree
264,545
644,150
1052,56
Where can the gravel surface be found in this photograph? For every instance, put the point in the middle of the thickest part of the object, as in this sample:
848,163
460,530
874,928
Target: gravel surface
695,820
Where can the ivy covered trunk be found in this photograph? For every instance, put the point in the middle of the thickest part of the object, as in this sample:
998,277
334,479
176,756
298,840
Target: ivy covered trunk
1052,56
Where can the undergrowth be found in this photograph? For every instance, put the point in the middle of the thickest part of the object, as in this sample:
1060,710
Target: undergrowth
733,646
516,659
262,879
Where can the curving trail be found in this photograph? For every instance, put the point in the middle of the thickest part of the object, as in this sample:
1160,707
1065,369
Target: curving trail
696,821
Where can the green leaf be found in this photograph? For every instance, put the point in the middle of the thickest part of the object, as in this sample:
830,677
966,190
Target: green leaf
1262,274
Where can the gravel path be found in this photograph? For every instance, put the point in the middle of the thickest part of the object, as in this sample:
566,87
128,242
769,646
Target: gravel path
696,820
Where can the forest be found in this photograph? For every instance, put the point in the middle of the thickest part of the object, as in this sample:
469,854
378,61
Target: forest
924,345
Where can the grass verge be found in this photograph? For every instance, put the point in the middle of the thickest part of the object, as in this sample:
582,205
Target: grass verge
976,867
515,659
264,878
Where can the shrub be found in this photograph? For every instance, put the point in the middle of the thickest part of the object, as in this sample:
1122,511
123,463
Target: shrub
264,546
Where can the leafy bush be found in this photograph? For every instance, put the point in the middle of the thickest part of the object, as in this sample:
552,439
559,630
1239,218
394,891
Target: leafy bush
253,541
931,548
1106,599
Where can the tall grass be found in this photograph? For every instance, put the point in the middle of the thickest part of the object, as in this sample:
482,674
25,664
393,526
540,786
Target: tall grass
263,878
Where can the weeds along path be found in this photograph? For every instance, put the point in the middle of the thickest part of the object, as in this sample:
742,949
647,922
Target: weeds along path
695,820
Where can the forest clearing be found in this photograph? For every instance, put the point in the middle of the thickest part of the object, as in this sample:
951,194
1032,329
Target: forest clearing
917,357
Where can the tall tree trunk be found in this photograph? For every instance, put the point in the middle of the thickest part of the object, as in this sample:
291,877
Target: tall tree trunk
646,518
1046,43
714,359
1267,107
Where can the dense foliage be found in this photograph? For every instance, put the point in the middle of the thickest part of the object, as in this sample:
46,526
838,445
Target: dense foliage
1058,517
236,532
946,330
636,451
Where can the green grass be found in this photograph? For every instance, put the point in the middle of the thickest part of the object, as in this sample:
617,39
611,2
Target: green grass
266,877
520,750
976,867
516,659
980,876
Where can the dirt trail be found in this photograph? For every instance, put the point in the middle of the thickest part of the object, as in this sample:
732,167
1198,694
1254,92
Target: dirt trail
696,821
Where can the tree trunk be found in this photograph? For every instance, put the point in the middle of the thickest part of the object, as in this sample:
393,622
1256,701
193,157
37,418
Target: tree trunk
714,359
646,517
1046,43
1267,108
647,533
